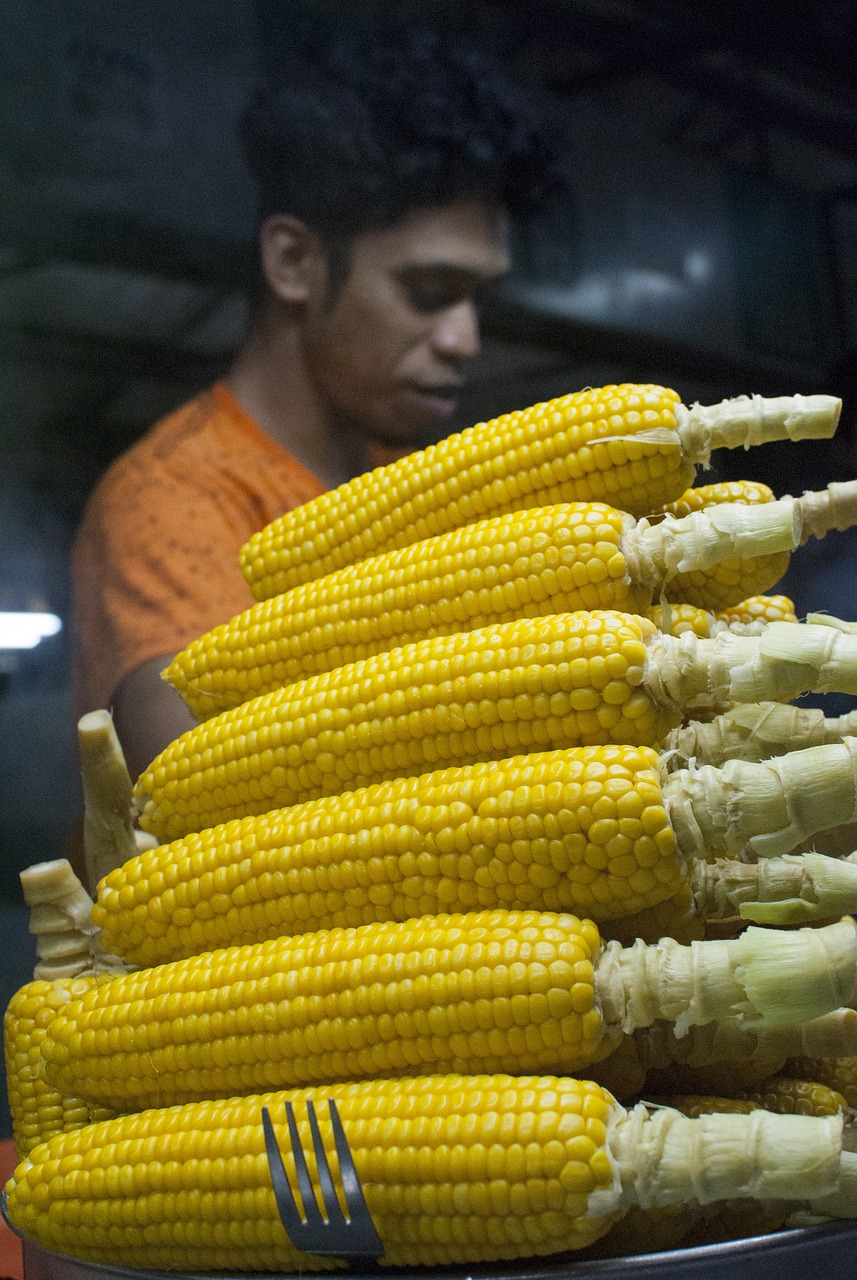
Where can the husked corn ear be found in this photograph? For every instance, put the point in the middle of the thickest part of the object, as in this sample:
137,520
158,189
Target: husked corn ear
37,1110
749,618
700,497
602,831
836,1071
730,581
571,679
755,732
759,610
527,564
630,445
454,1169
583,830
647,1230
787,1095
478,992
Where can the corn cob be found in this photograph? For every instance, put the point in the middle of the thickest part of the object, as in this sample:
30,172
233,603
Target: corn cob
749,618
787,1095
486,991
37,1110
630,444
69,962
535,684
755,732
593,830
527,564
455,1169
108,835
836,1070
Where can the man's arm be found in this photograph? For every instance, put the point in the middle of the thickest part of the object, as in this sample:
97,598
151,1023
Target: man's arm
148,714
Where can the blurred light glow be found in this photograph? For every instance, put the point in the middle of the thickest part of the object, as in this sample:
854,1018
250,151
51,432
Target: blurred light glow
25,630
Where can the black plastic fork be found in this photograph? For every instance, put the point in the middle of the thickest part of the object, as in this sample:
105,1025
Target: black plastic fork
350,1236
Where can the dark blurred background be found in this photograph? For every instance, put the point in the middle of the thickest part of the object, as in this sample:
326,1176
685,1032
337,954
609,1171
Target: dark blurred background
709,243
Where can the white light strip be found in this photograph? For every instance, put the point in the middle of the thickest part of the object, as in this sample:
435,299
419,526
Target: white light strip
25,630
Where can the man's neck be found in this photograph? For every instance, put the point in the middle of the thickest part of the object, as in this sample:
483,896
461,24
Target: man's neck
270,382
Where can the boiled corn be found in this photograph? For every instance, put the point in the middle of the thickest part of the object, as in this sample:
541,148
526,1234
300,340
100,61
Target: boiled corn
631,445
455,1169
535,684
515,991
527,564
594,830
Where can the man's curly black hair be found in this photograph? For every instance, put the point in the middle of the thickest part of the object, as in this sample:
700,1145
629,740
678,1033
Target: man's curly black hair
362,126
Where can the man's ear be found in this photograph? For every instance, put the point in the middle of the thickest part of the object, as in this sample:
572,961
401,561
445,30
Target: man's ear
292,259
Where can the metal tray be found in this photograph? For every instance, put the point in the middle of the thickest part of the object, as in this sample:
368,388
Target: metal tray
827,1252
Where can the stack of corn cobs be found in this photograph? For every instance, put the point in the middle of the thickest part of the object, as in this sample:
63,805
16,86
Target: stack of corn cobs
500,827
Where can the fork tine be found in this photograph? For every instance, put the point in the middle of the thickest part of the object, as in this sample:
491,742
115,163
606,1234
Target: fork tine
286,1207
354,1199
312,1213
328,1190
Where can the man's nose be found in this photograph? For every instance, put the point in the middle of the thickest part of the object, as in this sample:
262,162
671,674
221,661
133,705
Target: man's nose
456,334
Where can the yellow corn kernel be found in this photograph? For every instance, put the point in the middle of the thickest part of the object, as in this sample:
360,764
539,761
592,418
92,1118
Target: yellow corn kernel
483,991
583,830
455,1169
38,1110
630,445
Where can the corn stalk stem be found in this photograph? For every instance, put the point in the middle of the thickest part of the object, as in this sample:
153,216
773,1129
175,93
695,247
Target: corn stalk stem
765,976
706,538
832,508
762,809
750,420
732,1040
108,831
753,732
664,1157
786,660
60,919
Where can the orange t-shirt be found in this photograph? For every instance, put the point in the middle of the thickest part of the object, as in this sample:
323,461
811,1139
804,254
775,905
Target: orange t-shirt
155,560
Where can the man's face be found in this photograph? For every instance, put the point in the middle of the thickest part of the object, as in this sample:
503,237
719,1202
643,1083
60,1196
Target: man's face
388,353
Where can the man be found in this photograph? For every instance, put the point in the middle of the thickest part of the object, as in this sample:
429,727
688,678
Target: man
387,167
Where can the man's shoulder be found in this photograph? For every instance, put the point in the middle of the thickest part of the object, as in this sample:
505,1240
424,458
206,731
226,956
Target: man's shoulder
197,433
